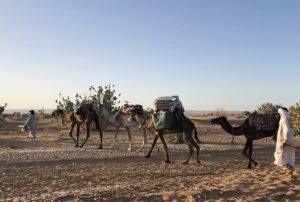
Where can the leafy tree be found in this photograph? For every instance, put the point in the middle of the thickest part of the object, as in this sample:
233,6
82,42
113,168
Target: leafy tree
295,111
267,108
65,104
97,96
105,95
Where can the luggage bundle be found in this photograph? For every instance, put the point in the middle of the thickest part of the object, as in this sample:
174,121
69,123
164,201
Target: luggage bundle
264,121
168,112
167,103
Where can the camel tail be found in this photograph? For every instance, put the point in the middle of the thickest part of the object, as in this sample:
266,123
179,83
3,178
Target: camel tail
196,134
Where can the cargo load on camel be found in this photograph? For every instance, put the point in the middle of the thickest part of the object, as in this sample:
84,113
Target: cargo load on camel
264,121
168,113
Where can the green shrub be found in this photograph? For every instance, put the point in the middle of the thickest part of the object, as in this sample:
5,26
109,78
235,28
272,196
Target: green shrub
295,111
267,108
176,138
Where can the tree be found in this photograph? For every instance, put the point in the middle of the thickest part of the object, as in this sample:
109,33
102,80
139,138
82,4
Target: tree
65,103
267,108
97,96
295,111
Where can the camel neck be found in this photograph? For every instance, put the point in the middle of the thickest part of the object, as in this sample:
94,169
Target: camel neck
236,131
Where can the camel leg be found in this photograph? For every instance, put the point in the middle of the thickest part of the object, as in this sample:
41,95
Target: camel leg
191,144
78,131
71,131
115,136
197,148
129,138
101,137
144,141
245,153
250,153
232,139
152,131
191,152
87,133
153,144
160,134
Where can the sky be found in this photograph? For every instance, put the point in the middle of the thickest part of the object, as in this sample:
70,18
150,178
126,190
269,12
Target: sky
213,54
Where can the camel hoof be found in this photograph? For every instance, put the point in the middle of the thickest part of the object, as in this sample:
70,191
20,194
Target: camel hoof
76,145
147,156
81,146
167,161
255,164
185,163
199,162
100,147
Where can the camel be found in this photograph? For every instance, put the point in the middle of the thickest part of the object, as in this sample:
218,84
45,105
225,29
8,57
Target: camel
60,113
186,127
127,121
85,114
250,131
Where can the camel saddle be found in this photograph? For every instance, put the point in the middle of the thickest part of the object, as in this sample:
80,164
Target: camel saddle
264,121
84,108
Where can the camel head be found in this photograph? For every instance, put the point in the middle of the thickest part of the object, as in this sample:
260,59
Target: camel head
218,120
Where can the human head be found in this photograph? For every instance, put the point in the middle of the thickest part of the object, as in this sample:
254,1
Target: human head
283,111
31,111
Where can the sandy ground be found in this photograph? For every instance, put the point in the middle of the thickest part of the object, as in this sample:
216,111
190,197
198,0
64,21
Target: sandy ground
52,169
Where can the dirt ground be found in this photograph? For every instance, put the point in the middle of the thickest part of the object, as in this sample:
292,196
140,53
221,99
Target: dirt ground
52,169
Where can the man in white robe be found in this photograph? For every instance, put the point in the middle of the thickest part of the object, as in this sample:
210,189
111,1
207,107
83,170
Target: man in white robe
31,125
286,142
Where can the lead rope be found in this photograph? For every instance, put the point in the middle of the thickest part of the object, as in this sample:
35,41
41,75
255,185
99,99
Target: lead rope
208,130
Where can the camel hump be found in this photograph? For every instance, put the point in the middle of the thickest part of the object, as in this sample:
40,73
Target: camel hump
264,121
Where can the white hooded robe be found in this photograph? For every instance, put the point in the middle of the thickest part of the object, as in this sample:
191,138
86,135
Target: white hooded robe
285,154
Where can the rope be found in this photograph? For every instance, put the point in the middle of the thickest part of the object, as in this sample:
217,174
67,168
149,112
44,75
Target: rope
208,130
292,146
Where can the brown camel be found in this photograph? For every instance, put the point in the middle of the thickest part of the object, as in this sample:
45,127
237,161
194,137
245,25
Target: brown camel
128,120
186,127
84,115
251,131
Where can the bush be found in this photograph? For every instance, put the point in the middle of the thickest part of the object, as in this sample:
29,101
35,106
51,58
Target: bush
267,108
176,138
295,111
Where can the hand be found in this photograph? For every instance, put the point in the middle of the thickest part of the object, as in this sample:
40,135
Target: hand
284,143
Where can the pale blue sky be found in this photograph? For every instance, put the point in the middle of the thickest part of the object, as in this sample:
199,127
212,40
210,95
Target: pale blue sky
231,54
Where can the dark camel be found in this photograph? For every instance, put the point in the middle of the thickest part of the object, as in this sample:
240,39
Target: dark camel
250,132
187,130
85,114
59,113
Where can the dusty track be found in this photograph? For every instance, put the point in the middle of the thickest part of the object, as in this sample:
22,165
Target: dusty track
52,169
